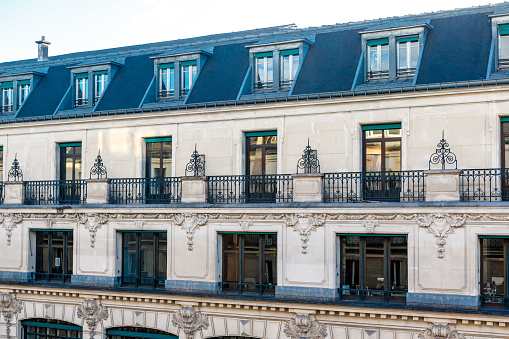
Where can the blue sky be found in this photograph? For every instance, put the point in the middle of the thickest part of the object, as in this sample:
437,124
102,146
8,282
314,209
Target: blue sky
75,26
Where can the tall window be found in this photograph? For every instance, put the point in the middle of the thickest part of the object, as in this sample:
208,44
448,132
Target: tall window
289,66
249,262
144,258
264,73
373,267
262,153
503,46
378,58
1,163
70,161
494,269
50,329
159,154
81,89
166,80
408,53
53,256
189,72
7,96
100,82
382,147
23,90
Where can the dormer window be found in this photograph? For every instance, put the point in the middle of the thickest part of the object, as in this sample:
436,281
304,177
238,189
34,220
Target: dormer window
264,70
100,82
7,97
289,66
189,72
23,90
408,54
81,88
378,58
166,80
503,46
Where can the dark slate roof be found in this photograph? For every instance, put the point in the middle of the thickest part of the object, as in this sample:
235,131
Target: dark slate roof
457,49
129,85
222,75
50,91
330,63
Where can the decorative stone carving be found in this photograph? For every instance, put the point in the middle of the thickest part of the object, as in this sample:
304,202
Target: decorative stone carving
92,222
9,221
140,224
303,327
245,224
50,223
370,225
190,222
441,225
92,312
190,321
440,332
9,306
304,223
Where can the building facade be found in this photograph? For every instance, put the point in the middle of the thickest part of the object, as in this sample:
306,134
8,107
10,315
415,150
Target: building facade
346,181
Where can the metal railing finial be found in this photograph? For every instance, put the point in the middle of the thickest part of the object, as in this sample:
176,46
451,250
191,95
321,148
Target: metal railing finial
443,155
15,172
309,161
98,169
196,165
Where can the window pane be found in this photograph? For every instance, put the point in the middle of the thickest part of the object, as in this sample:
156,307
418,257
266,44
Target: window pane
373,58
269,71
402,54
374,273
414,53
270,259
373,156
385,58
393,156
506,150
375,245
154,165
374,134
393,133
270,161
504,47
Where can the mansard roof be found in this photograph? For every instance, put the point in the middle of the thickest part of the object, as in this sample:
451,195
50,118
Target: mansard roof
457,49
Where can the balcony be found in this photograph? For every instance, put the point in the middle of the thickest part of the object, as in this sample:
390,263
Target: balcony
145,191
55,192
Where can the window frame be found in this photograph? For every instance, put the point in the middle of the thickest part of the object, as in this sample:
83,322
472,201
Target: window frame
265,84
7,97
264,147
101,78
494,300
74,155
408,70
170,75
188,71
285,83
379,73
161,151
81,82
66,260
383,140
23,92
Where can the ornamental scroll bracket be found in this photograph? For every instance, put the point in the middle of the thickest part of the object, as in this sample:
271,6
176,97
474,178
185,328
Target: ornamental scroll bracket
9,222
190,222
190,320
370,225
93,313
304,327
304,223
9,306
440,225
440,332
92,222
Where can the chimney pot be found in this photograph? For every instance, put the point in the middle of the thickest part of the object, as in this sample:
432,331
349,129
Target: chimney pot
42,49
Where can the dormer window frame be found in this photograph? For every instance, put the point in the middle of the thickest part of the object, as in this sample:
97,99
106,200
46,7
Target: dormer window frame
500,37
410,44
293,57
389,37
25,81
264,55
183,64
95,78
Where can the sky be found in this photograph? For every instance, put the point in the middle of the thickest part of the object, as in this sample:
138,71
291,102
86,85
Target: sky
76,26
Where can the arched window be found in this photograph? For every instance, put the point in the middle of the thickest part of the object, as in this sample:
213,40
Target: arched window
49,329
137,332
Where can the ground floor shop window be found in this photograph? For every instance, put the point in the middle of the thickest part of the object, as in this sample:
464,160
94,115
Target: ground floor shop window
137,332
249,262
373,267
49,329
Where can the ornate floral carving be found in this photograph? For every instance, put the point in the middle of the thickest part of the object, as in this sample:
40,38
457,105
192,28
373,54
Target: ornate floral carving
140,224
9,221
303,327
370,226
245,224
10,306
304,223
441,225
50,223
92,222
190,321
440,332
92,312
190,222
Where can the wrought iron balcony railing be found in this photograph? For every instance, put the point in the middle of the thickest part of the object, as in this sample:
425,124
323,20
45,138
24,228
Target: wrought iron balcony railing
54,277
145,190
2,192
55,192
380,295
396,186
247,287
141,282
239,189
484,184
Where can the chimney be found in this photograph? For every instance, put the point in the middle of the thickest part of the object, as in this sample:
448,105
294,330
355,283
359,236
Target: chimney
42,52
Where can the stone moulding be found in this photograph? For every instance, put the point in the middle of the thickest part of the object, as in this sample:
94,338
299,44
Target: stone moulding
190,222
440,332
92,222
9,222
304,224
190,320
441,225
9,306
304,327
93,313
